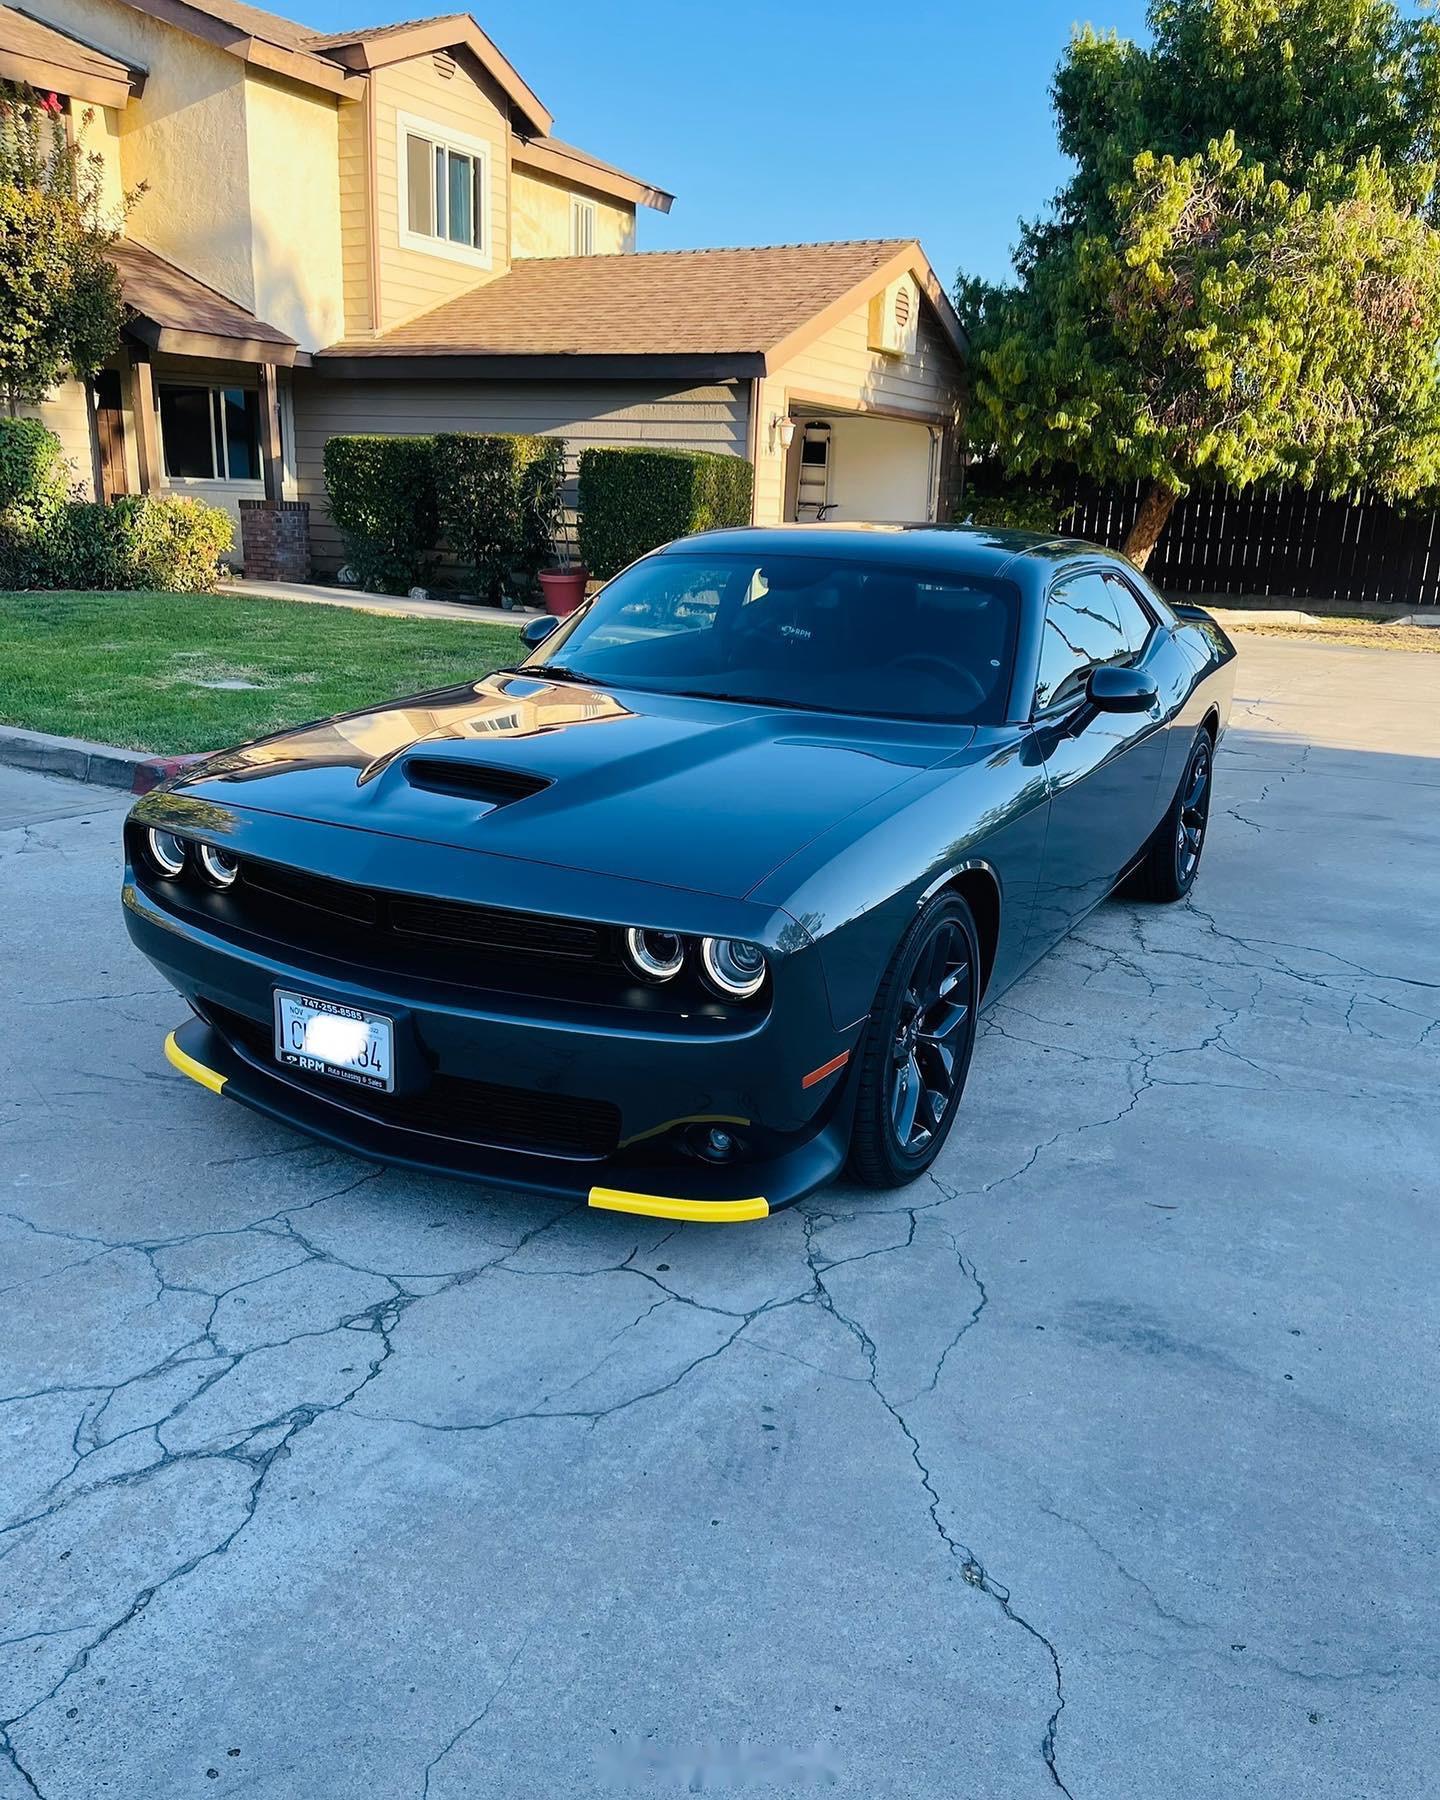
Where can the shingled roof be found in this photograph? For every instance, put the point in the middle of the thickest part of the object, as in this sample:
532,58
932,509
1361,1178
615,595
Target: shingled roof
173,311
44,57
740,312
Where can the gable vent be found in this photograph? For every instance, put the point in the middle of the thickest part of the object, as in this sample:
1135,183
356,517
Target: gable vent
472,781
902,307
445,64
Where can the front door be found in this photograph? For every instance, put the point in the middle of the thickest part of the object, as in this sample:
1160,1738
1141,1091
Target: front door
1104,772
110,434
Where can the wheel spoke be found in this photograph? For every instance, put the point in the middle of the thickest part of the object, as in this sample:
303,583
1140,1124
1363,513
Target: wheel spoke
944,1021
938,1062
906,1101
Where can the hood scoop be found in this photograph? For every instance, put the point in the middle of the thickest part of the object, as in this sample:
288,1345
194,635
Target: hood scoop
472,781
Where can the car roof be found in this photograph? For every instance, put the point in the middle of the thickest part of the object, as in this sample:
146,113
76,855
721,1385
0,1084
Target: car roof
965,549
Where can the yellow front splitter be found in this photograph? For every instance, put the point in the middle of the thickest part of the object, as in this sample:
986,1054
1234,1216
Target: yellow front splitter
661,1206
187,1065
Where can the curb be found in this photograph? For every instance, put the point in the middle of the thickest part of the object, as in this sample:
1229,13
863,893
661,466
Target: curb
134,771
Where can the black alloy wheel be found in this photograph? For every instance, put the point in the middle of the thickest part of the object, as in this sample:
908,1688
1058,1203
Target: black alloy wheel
1172,858
917,1047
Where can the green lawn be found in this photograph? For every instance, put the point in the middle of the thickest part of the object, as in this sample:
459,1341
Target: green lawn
135,669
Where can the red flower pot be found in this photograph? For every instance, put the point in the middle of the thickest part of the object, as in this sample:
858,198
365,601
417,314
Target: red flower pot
564,589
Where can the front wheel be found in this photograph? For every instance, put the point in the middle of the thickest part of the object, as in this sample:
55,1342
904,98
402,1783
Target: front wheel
917,1047
1172,857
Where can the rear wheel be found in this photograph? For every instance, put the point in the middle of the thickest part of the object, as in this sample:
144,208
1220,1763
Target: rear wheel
1172,857
917,1047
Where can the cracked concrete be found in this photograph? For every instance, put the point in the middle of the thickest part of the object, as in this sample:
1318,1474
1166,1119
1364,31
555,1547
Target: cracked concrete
1103,1462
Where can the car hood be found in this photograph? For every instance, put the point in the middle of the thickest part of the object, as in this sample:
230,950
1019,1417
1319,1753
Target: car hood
698,794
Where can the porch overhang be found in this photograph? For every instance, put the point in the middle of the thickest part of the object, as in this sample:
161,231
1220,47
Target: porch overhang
173,313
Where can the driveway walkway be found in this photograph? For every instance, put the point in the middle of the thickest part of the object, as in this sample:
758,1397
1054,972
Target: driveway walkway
1105,1462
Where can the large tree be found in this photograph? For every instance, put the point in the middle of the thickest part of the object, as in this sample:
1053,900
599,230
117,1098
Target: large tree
60,306
1241,281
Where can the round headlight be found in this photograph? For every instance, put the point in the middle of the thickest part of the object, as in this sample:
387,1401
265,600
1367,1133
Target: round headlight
167,851
220,866
657,955
733,967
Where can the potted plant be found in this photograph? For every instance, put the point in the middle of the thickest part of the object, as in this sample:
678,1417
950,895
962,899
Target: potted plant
563,584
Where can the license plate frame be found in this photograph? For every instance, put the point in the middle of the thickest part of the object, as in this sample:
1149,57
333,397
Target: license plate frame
372,1068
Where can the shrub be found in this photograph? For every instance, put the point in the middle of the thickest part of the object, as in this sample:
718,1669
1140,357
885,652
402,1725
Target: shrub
31,471
499,502
632,501
382,499
162,541
175,542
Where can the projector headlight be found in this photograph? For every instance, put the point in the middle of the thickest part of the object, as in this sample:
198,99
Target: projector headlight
167,852
733,967
655,955
220,867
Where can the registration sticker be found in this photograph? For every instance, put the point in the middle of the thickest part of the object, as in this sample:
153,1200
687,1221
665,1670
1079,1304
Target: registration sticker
346,1043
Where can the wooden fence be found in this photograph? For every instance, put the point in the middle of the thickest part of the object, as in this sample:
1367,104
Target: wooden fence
1282,542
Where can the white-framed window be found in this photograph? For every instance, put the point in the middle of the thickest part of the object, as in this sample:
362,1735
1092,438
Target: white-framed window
582,226
444,192
209,433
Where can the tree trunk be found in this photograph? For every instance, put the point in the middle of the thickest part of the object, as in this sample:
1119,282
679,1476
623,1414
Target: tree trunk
1156,506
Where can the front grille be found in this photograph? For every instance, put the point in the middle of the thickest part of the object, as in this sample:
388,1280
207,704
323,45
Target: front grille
484,928
471,1112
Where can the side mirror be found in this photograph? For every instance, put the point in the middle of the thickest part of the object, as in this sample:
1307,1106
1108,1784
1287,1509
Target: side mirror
1115,689
534,632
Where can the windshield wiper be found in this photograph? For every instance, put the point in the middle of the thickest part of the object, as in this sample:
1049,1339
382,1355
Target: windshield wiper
560,672
751,700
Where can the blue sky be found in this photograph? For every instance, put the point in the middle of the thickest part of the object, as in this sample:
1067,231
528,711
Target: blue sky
816,119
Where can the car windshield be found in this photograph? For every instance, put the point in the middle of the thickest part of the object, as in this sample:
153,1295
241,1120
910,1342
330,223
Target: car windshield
802,631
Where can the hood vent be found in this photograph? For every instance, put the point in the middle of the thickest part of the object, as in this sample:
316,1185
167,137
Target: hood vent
472,781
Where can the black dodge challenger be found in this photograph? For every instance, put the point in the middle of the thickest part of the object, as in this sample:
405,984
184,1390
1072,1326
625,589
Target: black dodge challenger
699,902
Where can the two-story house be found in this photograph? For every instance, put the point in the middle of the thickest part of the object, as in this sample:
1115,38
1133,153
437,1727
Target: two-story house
377,231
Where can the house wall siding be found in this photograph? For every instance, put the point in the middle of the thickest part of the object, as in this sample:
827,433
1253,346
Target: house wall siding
413,281
583,413
540,217
353,130
840,366
64,411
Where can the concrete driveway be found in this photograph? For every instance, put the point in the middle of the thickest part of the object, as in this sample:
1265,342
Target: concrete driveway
1105,1462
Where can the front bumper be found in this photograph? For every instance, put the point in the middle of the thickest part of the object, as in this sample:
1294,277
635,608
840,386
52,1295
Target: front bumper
655,1082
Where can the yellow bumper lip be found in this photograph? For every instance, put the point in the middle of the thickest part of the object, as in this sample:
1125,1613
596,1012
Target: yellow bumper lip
662,1206
187,1065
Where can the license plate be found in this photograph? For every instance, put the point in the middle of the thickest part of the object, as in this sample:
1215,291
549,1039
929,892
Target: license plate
344,1042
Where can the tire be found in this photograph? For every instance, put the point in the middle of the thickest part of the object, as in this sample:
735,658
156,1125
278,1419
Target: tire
1172,857
933,980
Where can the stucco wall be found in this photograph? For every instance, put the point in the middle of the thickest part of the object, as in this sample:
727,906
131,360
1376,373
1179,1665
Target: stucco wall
185,138
292,137
840,366
540,217
583,413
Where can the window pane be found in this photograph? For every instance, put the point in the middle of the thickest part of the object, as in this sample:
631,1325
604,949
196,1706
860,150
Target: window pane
479,190
439,191
1134,620
1081,630
419,186
242,433
462,198
185,427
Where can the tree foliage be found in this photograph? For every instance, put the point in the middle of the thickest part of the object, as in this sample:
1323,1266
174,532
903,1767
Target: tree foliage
60,305
1242,280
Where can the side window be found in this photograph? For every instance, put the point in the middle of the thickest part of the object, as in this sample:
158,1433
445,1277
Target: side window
1135,623
1082,629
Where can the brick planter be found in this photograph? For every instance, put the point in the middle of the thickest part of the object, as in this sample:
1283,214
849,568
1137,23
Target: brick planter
275,540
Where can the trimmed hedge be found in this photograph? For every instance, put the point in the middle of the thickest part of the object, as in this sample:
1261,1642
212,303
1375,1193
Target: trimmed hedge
499,503
634,500
382,499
